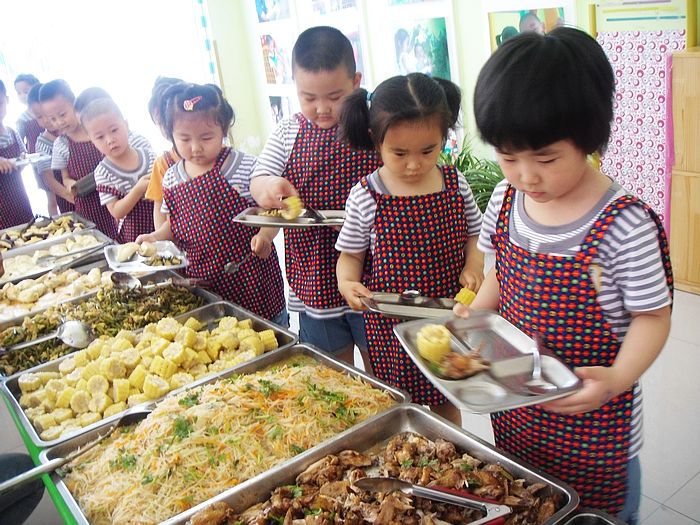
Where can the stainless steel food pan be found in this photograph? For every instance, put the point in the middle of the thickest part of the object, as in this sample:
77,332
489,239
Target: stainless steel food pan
87,225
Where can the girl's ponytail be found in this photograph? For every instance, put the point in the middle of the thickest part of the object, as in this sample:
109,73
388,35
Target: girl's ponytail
354,120
453,95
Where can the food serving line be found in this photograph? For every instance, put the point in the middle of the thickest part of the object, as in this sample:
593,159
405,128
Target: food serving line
38,404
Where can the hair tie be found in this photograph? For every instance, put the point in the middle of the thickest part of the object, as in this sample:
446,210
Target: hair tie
369,99
188,105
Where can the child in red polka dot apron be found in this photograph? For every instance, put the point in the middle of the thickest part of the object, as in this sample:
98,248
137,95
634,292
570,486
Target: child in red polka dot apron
303,157
418,221
572,251
204,192
73,153
123,174
14,203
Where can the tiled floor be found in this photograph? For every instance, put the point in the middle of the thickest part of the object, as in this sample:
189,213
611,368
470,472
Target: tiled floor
670,457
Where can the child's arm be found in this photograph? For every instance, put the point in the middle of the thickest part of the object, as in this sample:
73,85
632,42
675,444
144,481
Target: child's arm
158,216
349,274
164,233
269,190
261,243
6,165
120,208
68,182
645,338
56,187
472,275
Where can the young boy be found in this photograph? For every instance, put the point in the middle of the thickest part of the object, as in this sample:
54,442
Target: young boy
14,203
123,174
579,262
74,154
303,157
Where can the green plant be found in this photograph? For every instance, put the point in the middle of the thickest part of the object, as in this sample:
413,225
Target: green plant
481,174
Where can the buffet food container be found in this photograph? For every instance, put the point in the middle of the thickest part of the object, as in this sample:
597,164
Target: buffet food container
255,217
64,263
509,354
376,432
45,221
592,517
265,361
209,315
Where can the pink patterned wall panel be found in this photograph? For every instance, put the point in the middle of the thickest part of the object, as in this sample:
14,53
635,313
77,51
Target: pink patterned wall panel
639,152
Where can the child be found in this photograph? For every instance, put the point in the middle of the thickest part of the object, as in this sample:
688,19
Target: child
123,174
29,128
14,203
51,180
304,157
167,159
419,221
578,261
204,192
74,154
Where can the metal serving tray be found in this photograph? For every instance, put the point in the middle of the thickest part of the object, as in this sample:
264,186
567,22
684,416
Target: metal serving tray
161,276
592,517
374,432
138,264
62,263
506,349
43,221
260,363
209,314
408,305
252,217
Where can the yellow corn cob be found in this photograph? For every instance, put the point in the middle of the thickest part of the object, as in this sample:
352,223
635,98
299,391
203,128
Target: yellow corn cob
97,384
91,369
120,390
176,352
130,358
162,367
128,335
228,323
51,434
137,376
245,323
44,422
245,332
253,343
292,207
45,377
155,387
63,399
55,385
203,357
81,385
228,340
198,370
120,344
80,402
95,349
112,368
29,382
180,379
99,402
81,358
159,344
136,399
433,342
193,324
168,328
62,414
88,418
115,409
186,336
200,343
269,340
36,398
190,358
465,296
66,366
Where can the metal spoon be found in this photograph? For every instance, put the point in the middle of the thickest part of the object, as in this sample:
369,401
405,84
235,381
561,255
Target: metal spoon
536,382
233,267
463,499
127,281
75,334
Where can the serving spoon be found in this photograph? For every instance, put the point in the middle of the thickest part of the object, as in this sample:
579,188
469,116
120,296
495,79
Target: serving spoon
75,334
127,281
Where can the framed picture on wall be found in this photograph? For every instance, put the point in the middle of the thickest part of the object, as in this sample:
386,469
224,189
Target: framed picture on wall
421,46
508,18
276,52
269,10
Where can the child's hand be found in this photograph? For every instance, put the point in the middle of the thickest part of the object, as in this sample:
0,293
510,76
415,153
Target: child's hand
261,246
599,387
472,279
142,184
146,237
352,291
6,165
274,190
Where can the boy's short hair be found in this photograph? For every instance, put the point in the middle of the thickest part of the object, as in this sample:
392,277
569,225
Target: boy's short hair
88,95
323,48
538,89
97,107
56,88
28,78
33,94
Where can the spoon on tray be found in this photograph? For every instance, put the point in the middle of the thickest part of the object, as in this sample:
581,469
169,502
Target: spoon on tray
75,334
126,281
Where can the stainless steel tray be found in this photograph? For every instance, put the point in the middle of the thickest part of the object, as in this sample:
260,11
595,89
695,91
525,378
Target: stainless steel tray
138,264
62,263
266,360
209,314
592,517
408,305
252,217
160,276
373,432
507,349
88,225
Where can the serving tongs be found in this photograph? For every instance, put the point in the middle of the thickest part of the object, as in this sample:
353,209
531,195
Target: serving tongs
126,281
495,512
47,260
56,463
29,158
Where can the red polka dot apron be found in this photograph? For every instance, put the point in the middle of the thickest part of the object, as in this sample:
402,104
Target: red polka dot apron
139,220
323,170
63,205
201,219
556,297
419,246
84,158
33,130
14,203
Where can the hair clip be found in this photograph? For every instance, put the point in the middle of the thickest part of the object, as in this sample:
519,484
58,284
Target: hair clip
188,105
369,99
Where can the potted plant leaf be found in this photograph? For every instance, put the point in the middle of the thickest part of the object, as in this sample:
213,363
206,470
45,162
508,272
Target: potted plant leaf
481,174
